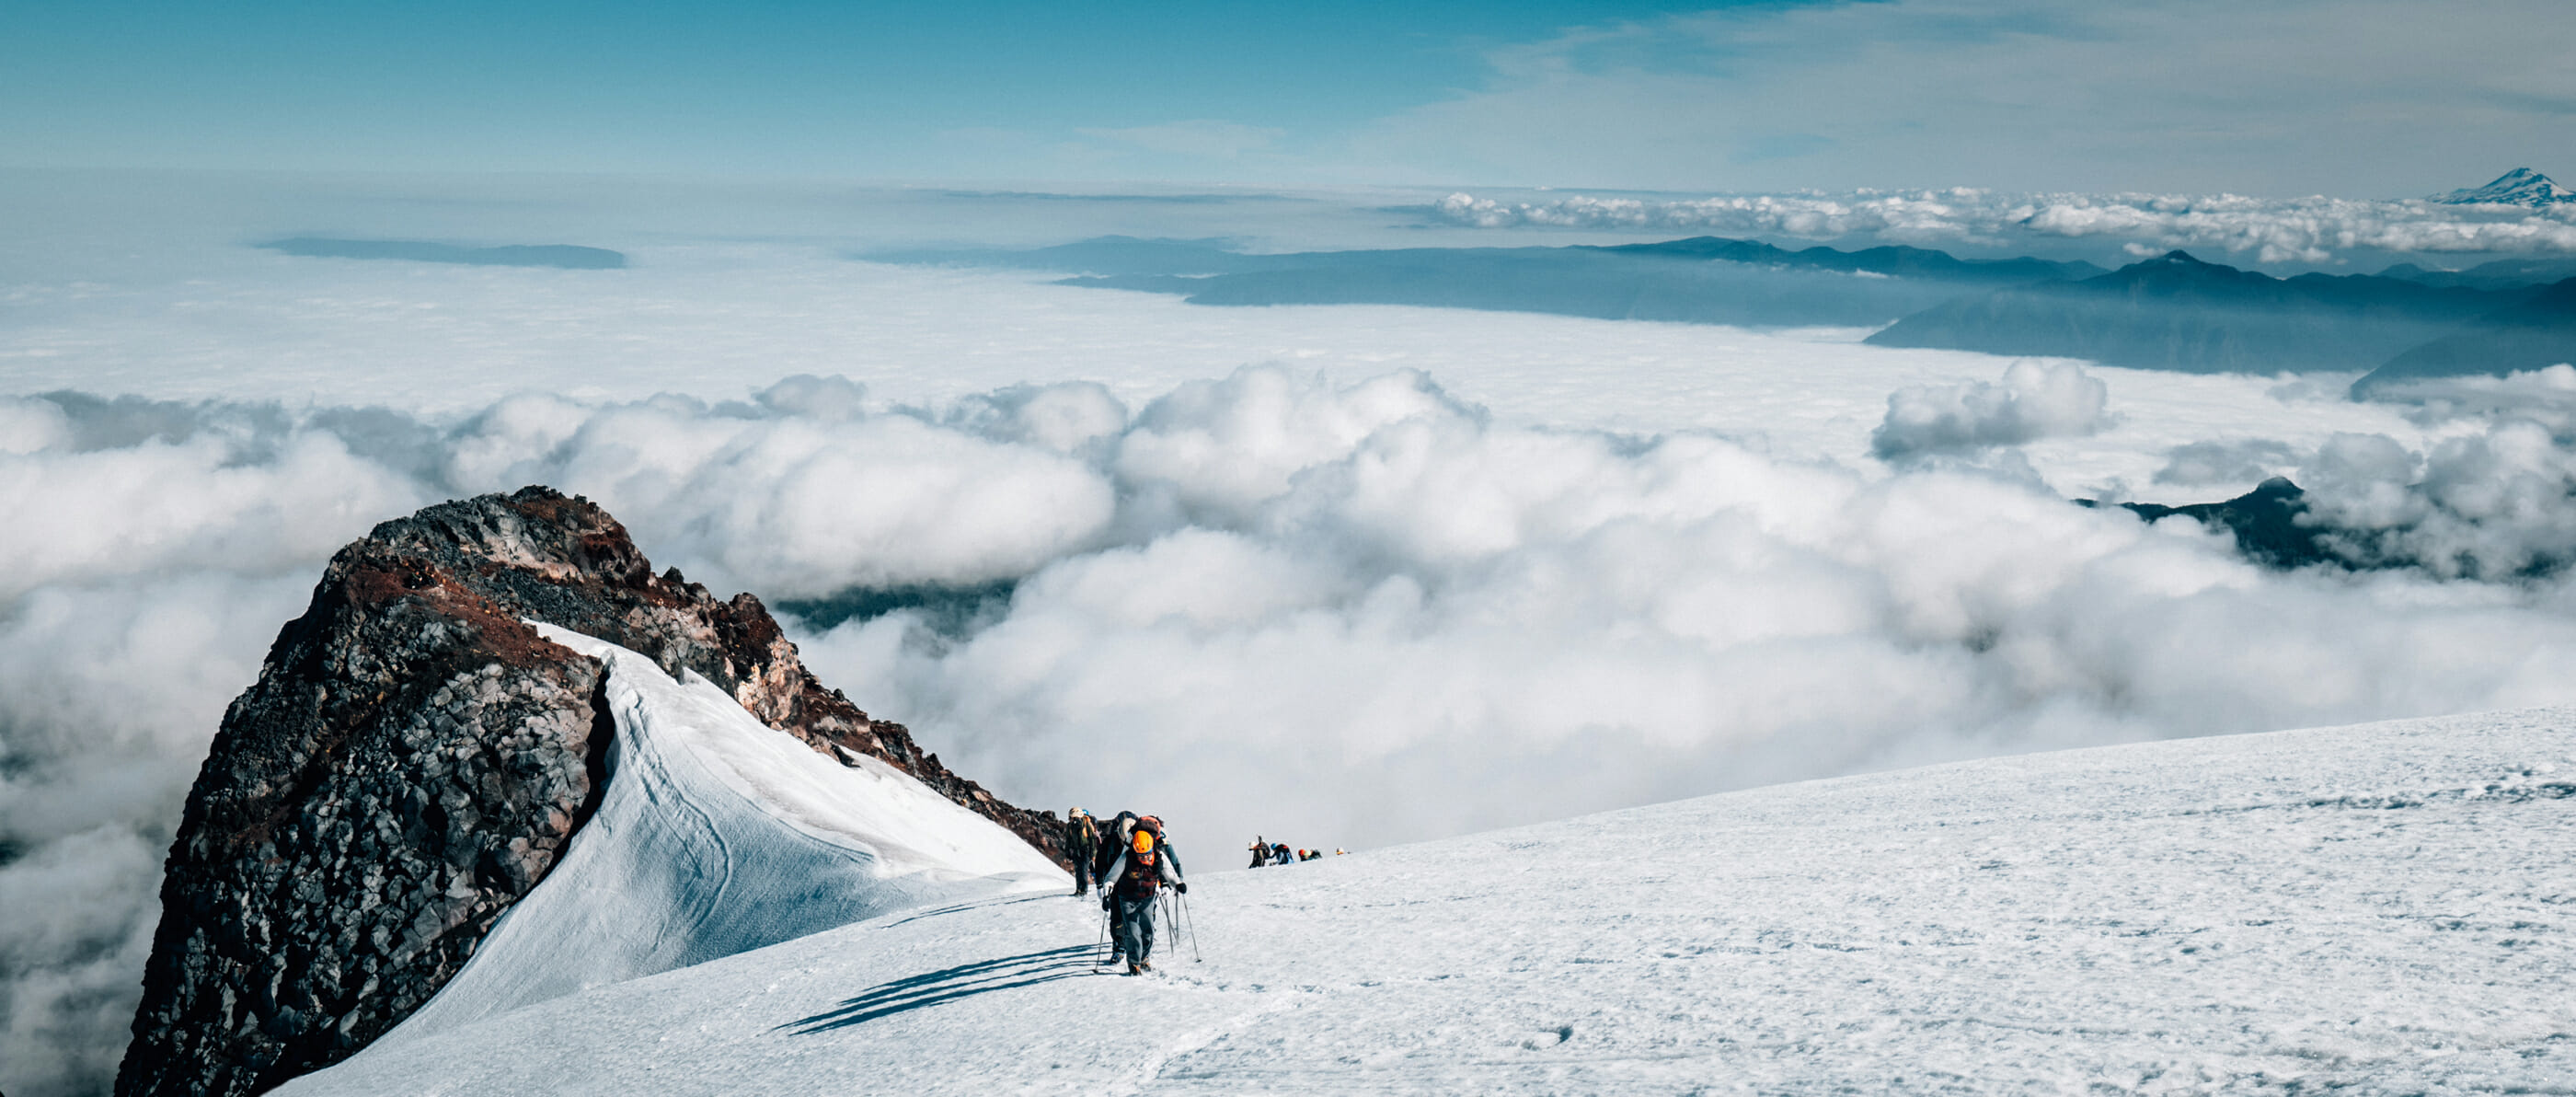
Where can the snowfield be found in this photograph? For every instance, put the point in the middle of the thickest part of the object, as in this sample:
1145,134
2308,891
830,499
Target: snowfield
2384,908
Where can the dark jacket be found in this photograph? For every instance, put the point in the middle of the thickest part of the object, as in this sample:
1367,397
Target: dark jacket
1081,839
1166,870
1114,836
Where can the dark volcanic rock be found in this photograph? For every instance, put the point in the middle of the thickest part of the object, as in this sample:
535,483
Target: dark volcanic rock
413,760
2269,524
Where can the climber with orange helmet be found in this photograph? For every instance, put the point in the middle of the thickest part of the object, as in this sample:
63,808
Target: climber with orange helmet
1132,884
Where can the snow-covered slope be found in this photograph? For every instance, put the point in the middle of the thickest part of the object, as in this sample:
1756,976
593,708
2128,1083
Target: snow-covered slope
719,835
2385,907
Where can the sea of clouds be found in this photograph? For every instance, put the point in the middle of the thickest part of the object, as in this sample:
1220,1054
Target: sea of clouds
1332,612
2309,230
1337,575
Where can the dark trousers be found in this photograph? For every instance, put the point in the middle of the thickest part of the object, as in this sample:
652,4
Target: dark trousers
1082,875
1135,926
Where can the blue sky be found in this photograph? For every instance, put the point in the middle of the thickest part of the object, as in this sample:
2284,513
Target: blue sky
2297,96
763,85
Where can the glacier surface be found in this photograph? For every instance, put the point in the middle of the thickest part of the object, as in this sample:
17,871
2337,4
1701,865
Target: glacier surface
2383,908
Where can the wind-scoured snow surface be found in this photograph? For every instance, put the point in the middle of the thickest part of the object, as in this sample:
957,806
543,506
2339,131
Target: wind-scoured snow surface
719,835
2377,909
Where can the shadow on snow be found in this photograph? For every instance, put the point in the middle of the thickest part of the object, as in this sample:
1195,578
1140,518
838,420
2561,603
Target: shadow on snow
950,984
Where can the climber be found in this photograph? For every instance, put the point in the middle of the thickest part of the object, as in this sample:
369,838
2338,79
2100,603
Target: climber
1081,845
1131,885
1260,851
1113,841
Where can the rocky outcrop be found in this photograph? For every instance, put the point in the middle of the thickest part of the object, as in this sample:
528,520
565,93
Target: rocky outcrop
2271,524
414,759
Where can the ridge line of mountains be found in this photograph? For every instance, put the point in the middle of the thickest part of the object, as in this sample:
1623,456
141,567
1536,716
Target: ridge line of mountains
2171,312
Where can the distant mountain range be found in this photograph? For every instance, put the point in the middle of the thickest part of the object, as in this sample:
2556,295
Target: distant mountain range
2176,312
2500,274
1701,280
2535,334
2173,312
2519,187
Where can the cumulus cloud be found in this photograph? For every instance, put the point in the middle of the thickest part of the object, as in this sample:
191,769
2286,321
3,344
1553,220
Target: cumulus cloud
2233,461
2496,505
109,691
2271,230
1441,623
2034,400
1341,613
2546,396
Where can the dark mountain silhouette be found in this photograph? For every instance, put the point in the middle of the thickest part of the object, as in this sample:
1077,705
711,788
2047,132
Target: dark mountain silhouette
2499,274
2266,523
2176,312
2538,333
1699,280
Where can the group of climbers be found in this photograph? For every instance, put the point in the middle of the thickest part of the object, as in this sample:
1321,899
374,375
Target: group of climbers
1265,852
1130,861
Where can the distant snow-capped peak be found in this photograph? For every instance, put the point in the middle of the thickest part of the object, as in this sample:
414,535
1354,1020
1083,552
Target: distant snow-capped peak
2519,187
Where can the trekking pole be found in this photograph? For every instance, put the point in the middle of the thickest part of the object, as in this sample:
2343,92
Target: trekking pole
1100,952
1192,925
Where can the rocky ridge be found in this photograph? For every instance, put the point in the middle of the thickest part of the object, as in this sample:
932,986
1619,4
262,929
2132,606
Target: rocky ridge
414,759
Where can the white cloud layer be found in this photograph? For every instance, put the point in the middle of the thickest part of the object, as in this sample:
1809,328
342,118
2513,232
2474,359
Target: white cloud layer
1344,614
2268,230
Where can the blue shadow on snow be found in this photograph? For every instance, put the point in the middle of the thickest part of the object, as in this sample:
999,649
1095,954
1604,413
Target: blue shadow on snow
950,984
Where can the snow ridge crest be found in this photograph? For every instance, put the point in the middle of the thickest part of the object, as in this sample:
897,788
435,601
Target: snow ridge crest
416,758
